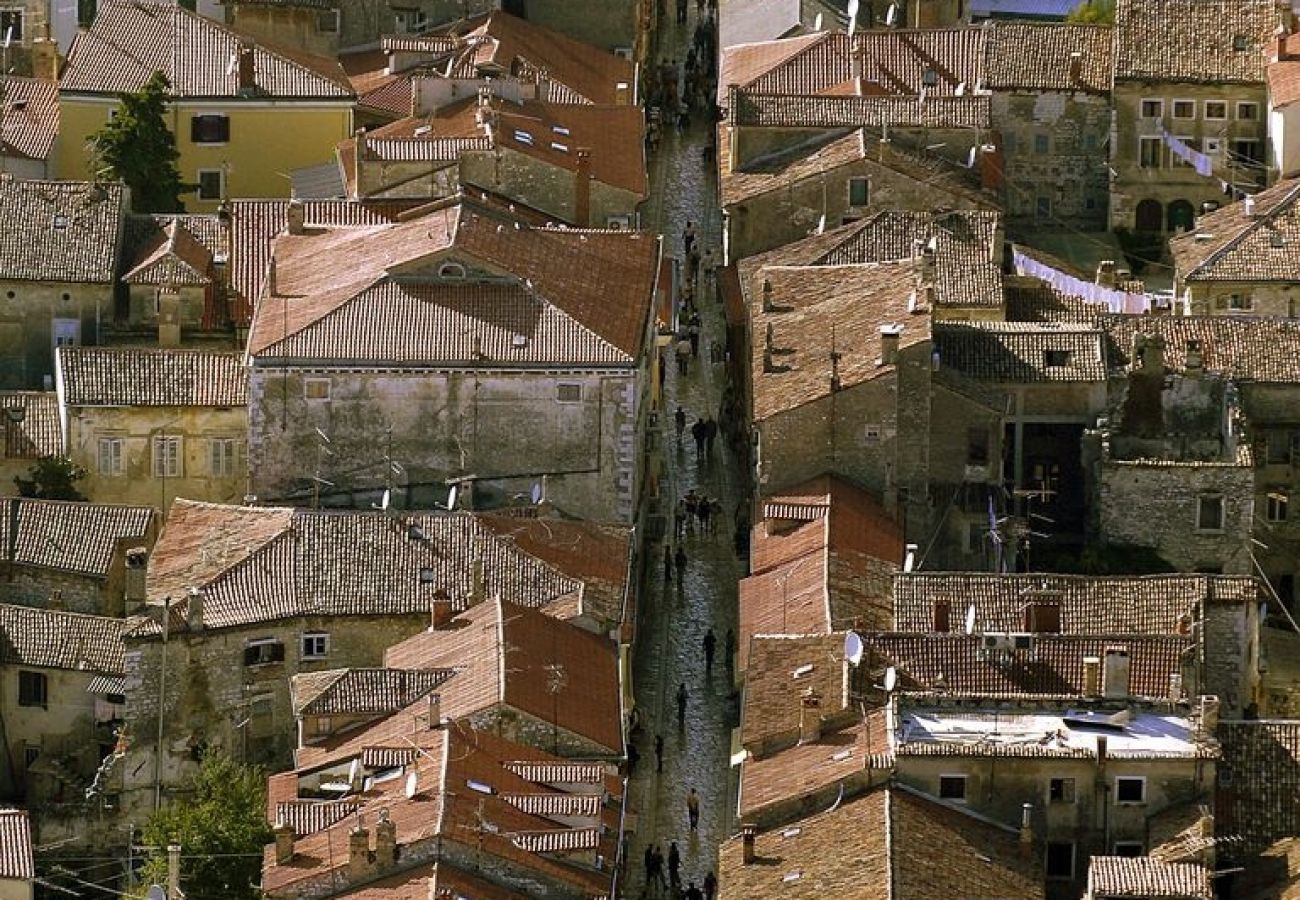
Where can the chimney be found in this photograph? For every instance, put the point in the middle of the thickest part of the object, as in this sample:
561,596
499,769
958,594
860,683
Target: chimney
56,599
1193,360
477,587
582,190
1175,687
1026,831
45,58
942,616
622,93
1248,205
247,72
767,295
1209,715
385,841
435,711
810,717
194,611
137,562
747,835
169,317
1106,273
1153,355
441,610
991,168
927,261
283,843
296,216
1091,676
890,335
1101,751
1076,67
359,852
1115,672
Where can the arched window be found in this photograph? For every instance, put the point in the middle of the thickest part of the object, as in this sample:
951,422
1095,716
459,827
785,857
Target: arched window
451,270
1150,216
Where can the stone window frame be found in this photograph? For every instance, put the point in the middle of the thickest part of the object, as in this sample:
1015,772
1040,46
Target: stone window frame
33,689
221,184
1140,781
223,456
1247,104
1159,157
118,467
263,659
1213,146
568,392
954,779
1276,506
1069,790
1200,514
1159,103
1205,107
858,181
312,638
166,463
210,129
1176,102
1176,162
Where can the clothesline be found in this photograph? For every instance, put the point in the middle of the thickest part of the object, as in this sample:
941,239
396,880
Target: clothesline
1116,301
1201,162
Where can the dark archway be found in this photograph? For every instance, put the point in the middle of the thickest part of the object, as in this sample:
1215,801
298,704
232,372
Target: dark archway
1182,216
1150,216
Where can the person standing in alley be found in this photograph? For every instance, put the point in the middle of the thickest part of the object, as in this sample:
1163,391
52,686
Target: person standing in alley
649,865
692,892
683,352
698,432
680,560
702,511
681,705
710,885
688,237
633,757
710,646
674,867
659,753
693,810
668,565
710,434
679,419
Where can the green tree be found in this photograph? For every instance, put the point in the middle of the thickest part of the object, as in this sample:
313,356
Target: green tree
221,829
52,478
137,148
1093,12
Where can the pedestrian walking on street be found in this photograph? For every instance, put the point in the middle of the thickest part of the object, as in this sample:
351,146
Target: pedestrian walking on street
679,518
693,335
693,809
674,866
710,646
657,869
702,510
692,893
688,236
710,433
698,433
659,753
633,757
681,705
680,560
683,351
679,418
710,885
668,565
649,865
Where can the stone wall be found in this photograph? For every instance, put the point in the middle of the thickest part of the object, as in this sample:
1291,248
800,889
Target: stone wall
27,309
548,188
608,24
1231,649
1219,298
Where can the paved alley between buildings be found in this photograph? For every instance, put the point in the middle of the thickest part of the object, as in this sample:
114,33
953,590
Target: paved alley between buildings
674,620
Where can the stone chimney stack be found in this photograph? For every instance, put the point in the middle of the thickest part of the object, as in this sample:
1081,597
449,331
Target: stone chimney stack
1092,676
441,612
359,852
45,56
283,843
385,841
747,835
194,610
1026,831
1209,715
890,337
137,563
1115,674
296,217
810,717
434,711
582,190
247,70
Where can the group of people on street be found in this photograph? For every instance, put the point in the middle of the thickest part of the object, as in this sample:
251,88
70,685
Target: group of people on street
657,883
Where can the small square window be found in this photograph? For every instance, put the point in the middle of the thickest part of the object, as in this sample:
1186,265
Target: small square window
1060,861
32,689
952,787
328,21
11,26
1128,848
1060,790
1213,147
568,393
259,653
1191,142
859,192
929,78
212,184
1209,513
316,389
210,129
1276,507
1043,207
1184,109
1042,144
1130,790
315,645
1216,109
871,434
1153,109
1248,111
1056,358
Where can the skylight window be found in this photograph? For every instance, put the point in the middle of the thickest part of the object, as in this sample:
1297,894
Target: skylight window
523,137
560,129
561,147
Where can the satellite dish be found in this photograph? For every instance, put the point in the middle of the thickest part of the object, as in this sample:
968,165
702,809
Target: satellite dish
853,16
451,496
817,23
909,561
353,771
970,159
853,648
892,15
961,89
156,892
891,679
970,619
536,493
412,784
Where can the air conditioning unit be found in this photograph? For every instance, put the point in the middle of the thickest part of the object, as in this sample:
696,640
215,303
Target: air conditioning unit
619,223
997,642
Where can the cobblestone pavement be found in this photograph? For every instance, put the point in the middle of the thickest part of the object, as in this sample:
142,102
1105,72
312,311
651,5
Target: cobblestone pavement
673,623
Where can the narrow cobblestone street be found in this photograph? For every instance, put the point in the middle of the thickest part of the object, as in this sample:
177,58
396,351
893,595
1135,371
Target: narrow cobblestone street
673,623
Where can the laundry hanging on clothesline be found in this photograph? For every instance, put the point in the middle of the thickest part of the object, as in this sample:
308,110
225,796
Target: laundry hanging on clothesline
1194,158
1116,301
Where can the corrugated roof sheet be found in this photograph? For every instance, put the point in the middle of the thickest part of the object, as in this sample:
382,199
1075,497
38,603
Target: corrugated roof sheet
134,376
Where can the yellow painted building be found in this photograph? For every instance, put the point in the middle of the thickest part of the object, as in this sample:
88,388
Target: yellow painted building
244,114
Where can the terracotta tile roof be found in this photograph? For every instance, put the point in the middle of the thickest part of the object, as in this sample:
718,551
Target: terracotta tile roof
812,68
1230,244
1022,352
1259,779
310,816
779,670
254,225
1036,56
53,639
967,250
553,671
263,564
1114,877
955,663
781,171
1193,40
749,108
815,305
362,691
39,434
16,845
889,843
128,41
548,258
135,376
173,257
1039,302
63,231
434,880
1098,605
1284,72
615,136
463,782
81,538
742,63
1242,349
596,555
938,60
29,116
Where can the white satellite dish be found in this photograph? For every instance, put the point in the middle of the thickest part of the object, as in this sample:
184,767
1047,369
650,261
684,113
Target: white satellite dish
156,892
909,561
853,648
970,159
354,770
451,496
970,619
385,500
412,784
891,679
536,493
853,16
817,23
892,15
